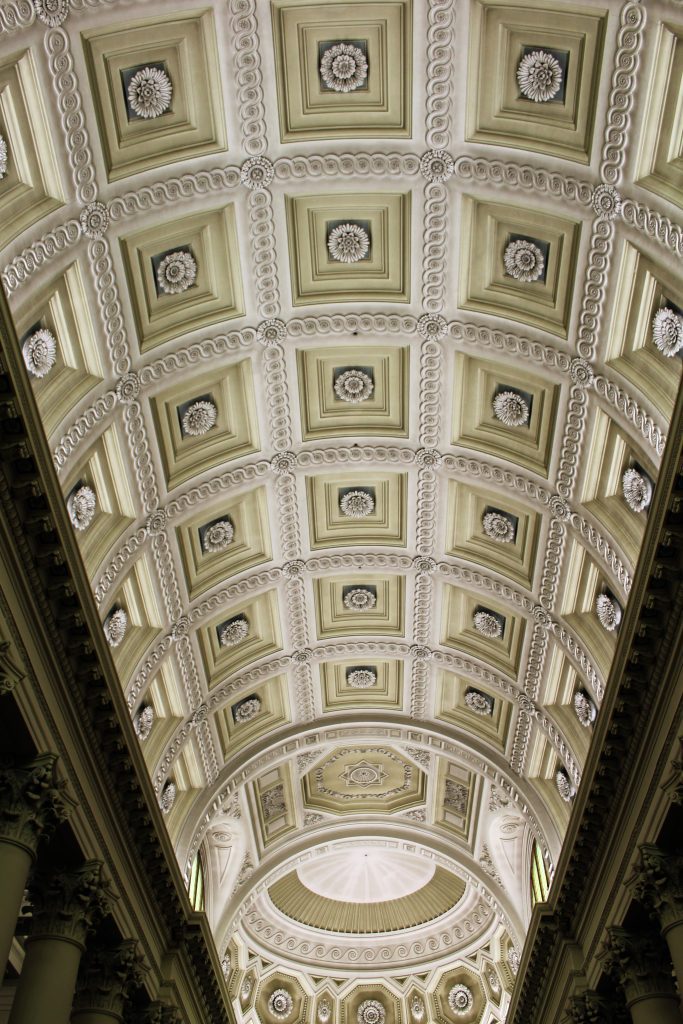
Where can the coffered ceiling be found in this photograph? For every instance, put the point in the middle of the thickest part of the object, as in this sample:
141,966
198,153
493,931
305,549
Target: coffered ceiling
353,502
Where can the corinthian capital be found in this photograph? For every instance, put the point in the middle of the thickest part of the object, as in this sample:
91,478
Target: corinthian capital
590,1008
158,1013
69,904
659,884
639,962
105,977
32,802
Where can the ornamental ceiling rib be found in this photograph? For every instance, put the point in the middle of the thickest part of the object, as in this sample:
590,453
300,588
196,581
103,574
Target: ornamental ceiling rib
355,331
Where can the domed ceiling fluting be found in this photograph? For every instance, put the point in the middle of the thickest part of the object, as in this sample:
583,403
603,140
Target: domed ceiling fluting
355,330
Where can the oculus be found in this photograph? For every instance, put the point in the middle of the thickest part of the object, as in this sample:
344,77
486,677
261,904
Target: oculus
40,352
246,709
564,785
353,386
667,331
150,92
487,624
217,536
233,632
81,506
523,260
3,157
348,243
199,418
479,702
168,795
608,612
539,76
498,527
115,626
280,1004
143,721
177,272
357,504
344,67
360,599
585,709
460,1000
637,490
361,678
511,409
371,1011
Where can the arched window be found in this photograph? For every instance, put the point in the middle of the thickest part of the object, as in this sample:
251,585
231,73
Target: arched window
540,883
196,887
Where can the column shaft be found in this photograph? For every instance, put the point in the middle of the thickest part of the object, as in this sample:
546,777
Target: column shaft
674,939
15,864
656,1010
95,1017
47,982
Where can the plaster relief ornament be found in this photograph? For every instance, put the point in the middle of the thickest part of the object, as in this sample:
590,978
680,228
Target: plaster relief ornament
428,458
271,332
143,722
523,260
343,67
247,710
40,352
81,506
437,165
356,504
280,1004
559,509
539,76
177,272
353,386
511,409
324,1011
432,327
667,331
460,1000
115,626
606,201
51,12
608,612
637,490
479,702
564,786
360,600
585,709
581,373
513,960
167,798
246,989
150,92
156,522
361,678
257,172
348,243
371,1011
94,220
234,632
218,536
498,527
417,1009
283,463
3,157
487,624
128,388
199,418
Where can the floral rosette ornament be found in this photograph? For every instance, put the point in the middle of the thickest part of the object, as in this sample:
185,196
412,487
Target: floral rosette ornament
371,1011
218,536
564,785
81,506
52,13
348,243
585,709
247,710
487,625
257,172
511,409
523,260
361,678
177,272
539,76
3,157
271,332
667,331
94,220
479,702
608,612
115,626
637,490
353,386
280,1004
143,722
360,599
460,1000
606,201
437,166
40,352
356,504
199,418
167,798
498,527
432,327
234,632
150,92
343,67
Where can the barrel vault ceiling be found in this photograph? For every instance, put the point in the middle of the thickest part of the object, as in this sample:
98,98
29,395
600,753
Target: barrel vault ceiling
354,519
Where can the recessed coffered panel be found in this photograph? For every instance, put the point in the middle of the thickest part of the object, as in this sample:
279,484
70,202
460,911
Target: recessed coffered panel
224,538
30,187
499,112
526,440
489,527
660,168
363,779
224,653
359,605
234,430
189,123
357,509
497,639
251,714
361,684
474,708
584,583
354,391
210,291
457,795
373,101
142,620
274,804
487,285
382,273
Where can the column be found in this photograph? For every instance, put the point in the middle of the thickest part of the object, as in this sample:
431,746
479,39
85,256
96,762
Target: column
66,906
32,804
105,979
659,888
641,965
